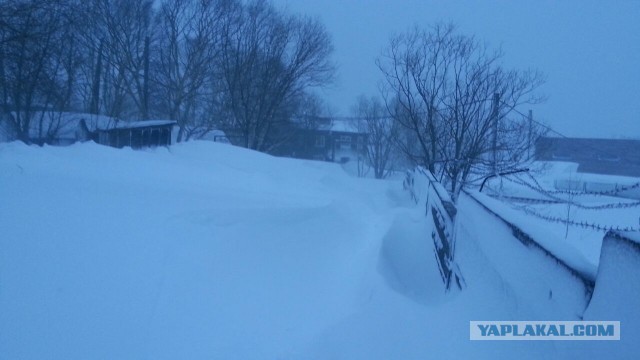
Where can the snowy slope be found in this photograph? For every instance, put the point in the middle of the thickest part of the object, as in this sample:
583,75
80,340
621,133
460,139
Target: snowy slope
205,250
225,249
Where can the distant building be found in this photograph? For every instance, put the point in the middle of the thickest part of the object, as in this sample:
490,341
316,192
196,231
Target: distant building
598,156
215,135
330,140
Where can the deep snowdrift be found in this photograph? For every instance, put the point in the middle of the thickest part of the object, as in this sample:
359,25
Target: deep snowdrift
205,250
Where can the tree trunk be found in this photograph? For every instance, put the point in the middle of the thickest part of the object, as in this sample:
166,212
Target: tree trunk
94,108
145,91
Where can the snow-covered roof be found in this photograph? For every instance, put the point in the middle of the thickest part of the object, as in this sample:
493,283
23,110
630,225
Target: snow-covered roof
65,125
340,125
138,124
349,126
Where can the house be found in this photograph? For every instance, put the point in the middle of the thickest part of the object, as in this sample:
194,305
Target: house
330,140
599,156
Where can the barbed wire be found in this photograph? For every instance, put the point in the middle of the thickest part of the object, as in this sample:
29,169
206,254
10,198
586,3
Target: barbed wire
553,199
583,224
613,192
542,191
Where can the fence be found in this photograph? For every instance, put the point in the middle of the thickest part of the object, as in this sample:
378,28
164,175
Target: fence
546,282
422,186
529,241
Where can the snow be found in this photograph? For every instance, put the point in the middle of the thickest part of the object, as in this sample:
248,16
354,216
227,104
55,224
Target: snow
572,251
551,290
632,236
67,123
405,260
144,123
213,135
205,250
565,176
578,246
347,126
616,296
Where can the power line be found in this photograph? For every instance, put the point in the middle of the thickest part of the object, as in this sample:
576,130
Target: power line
550,129
515,110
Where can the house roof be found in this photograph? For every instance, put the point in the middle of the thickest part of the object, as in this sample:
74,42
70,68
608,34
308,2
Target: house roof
337,125
139,124
349,126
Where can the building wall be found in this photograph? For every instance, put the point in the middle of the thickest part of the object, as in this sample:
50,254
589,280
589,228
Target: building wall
600,156
137,137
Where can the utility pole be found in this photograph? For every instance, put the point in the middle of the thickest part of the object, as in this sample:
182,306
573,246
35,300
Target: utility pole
494,118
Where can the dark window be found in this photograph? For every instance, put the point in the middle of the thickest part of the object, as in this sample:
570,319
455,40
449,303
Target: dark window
345,142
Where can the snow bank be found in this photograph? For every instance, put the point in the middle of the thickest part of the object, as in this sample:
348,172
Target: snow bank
616,297
200,250
407,261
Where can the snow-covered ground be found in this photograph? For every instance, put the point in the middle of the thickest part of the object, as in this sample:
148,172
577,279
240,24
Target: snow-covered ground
208,251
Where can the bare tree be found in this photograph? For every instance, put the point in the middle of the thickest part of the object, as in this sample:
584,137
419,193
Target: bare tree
268,61
441,87
381,132
32,36
311,112
120,41
242,65
185,67
414,66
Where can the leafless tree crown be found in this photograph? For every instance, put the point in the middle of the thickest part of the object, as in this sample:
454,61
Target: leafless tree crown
241,65
453,97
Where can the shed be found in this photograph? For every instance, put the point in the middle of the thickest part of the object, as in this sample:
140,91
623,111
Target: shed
136,134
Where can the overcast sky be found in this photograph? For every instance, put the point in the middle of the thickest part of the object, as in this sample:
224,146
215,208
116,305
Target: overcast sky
588,50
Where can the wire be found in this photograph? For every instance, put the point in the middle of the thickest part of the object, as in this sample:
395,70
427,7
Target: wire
550,129
515,110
